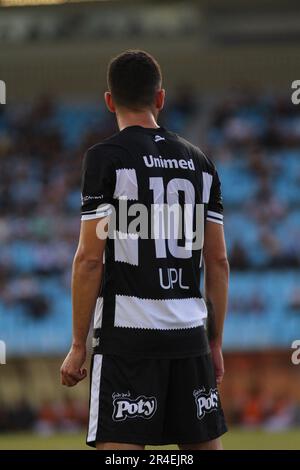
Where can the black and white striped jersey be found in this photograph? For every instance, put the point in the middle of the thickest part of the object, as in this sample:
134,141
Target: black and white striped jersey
158,191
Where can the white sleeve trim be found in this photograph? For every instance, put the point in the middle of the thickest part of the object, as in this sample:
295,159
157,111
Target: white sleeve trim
220,222
215,214
96,215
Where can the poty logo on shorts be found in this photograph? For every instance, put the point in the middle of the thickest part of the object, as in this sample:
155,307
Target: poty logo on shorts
140,407
206,402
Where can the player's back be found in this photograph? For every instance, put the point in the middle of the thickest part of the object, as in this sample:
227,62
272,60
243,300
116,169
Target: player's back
159,190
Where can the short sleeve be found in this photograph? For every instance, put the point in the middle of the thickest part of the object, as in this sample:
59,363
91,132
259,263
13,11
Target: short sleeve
98,183
215,203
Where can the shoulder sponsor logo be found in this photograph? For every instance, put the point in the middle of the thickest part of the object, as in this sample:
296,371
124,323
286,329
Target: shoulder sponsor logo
91,198
126,407
206,401
157,138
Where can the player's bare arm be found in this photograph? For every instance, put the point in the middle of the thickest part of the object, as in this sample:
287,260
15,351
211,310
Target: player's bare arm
216,275
86,281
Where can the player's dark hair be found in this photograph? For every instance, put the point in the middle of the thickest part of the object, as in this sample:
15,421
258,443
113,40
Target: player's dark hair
133,78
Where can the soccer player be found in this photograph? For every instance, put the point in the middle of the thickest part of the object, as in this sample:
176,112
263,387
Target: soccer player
157,359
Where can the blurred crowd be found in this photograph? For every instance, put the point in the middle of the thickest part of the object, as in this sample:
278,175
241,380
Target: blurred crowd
50,417
257,409
255,140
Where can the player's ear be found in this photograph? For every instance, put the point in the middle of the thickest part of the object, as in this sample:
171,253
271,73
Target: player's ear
160,99
109,102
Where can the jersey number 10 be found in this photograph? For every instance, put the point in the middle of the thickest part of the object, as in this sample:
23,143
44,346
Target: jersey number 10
173,220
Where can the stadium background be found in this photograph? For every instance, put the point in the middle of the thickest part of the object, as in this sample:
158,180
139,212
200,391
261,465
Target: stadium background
228,68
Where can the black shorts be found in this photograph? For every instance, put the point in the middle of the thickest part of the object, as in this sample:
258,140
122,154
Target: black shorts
154,401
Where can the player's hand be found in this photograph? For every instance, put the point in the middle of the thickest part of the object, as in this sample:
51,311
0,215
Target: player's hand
71,370
218,361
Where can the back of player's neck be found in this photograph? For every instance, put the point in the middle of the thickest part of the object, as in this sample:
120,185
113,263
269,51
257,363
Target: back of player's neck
145,119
